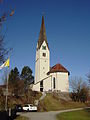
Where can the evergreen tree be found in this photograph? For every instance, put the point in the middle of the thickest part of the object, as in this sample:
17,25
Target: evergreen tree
27,76
14,77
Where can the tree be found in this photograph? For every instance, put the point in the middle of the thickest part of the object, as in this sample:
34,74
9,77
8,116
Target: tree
83,94
88,77
27,76
79,90
14,78
3,18
76,83
14,75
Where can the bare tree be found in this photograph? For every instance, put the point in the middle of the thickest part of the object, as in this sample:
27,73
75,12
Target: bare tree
88,77
76,83
79,89
3,18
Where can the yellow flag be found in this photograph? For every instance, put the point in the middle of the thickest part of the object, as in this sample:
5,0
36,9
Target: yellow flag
7,63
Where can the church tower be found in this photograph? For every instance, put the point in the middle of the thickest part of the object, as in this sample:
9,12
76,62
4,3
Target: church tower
42,63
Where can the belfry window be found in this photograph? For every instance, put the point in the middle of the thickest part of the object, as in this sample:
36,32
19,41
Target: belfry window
44,54
44,47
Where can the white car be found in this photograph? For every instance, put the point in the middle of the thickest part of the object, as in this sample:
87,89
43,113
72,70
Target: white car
29,107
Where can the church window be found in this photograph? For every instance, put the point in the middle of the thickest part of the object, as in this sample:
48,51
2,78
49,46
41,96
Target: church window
41,84
44,47
54,83
44,54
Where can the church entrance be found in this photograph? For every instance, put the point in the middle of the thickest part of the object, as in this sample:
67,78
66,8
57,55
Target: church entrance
41,86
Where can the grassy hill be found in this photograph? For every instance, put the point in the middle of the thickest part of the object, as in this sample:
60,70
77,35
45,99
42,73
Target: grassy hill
52,103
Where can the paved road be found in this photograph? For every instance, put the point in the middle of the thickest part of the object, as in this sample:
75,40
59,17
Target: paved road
45,115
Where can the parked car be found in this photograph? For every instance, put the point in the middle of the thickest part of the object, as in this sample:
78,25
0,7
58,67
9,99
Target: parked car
29,107
18,108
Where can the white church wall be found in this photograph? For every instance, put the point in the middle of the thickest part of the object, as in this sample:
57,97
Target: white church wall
36,87
47,83
44,62
37,66
63,83
37,71
53,76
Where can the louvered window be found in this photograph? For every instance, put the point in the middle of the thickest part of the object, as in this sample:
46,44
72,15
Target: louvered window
44,47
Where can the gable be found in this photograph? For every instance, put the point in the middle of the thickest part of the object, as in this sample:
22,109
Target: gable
44,46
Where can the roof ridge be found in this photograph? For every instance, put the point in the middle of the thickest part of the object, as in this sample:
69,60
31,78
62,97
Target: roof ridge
58,68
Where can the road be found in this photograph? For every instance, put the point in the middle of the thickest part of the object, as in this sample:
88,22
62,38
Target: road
45,115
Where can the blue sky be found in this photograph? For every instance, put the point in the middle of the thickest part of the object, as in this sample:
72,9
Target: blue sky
67,25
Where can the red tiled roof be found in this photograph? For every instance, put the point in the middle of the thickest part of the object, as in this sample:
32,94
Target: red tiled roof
58,68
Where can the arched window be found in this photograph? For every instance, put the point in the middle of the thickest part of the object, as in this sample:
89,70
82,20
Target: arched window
54,85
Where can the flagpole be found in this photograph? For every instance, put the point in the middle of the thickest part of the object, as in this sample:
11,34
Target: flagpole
6,64
6,101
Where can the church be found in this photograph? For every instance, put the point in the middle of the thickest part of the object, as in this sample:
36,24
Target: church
48,78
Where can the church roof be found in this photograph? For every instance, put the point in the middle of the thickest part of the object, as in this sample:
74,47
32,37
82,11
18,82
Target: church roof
58,68
42,35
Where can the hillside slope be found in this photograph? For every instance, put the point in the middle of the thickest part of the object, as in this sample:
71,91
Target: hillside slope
53,102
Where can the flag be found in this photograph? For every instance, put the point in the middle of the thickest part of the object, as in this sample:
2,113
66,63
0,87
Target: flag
5,64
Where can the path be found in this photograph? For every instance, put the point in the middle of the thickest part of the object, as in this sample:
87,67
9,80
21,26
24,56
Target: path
36,102
46,115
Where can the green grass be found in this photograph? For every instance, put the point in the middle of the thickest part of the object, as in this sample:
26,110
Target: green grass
75,115
21,118
49,103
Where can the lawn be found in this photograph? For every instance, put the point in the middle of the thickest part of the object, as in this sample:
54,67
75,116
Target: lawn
75,115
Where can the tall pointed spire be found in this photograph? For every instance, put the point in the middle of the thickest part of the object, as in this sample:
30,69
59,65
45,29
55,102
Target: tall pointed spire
42,34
